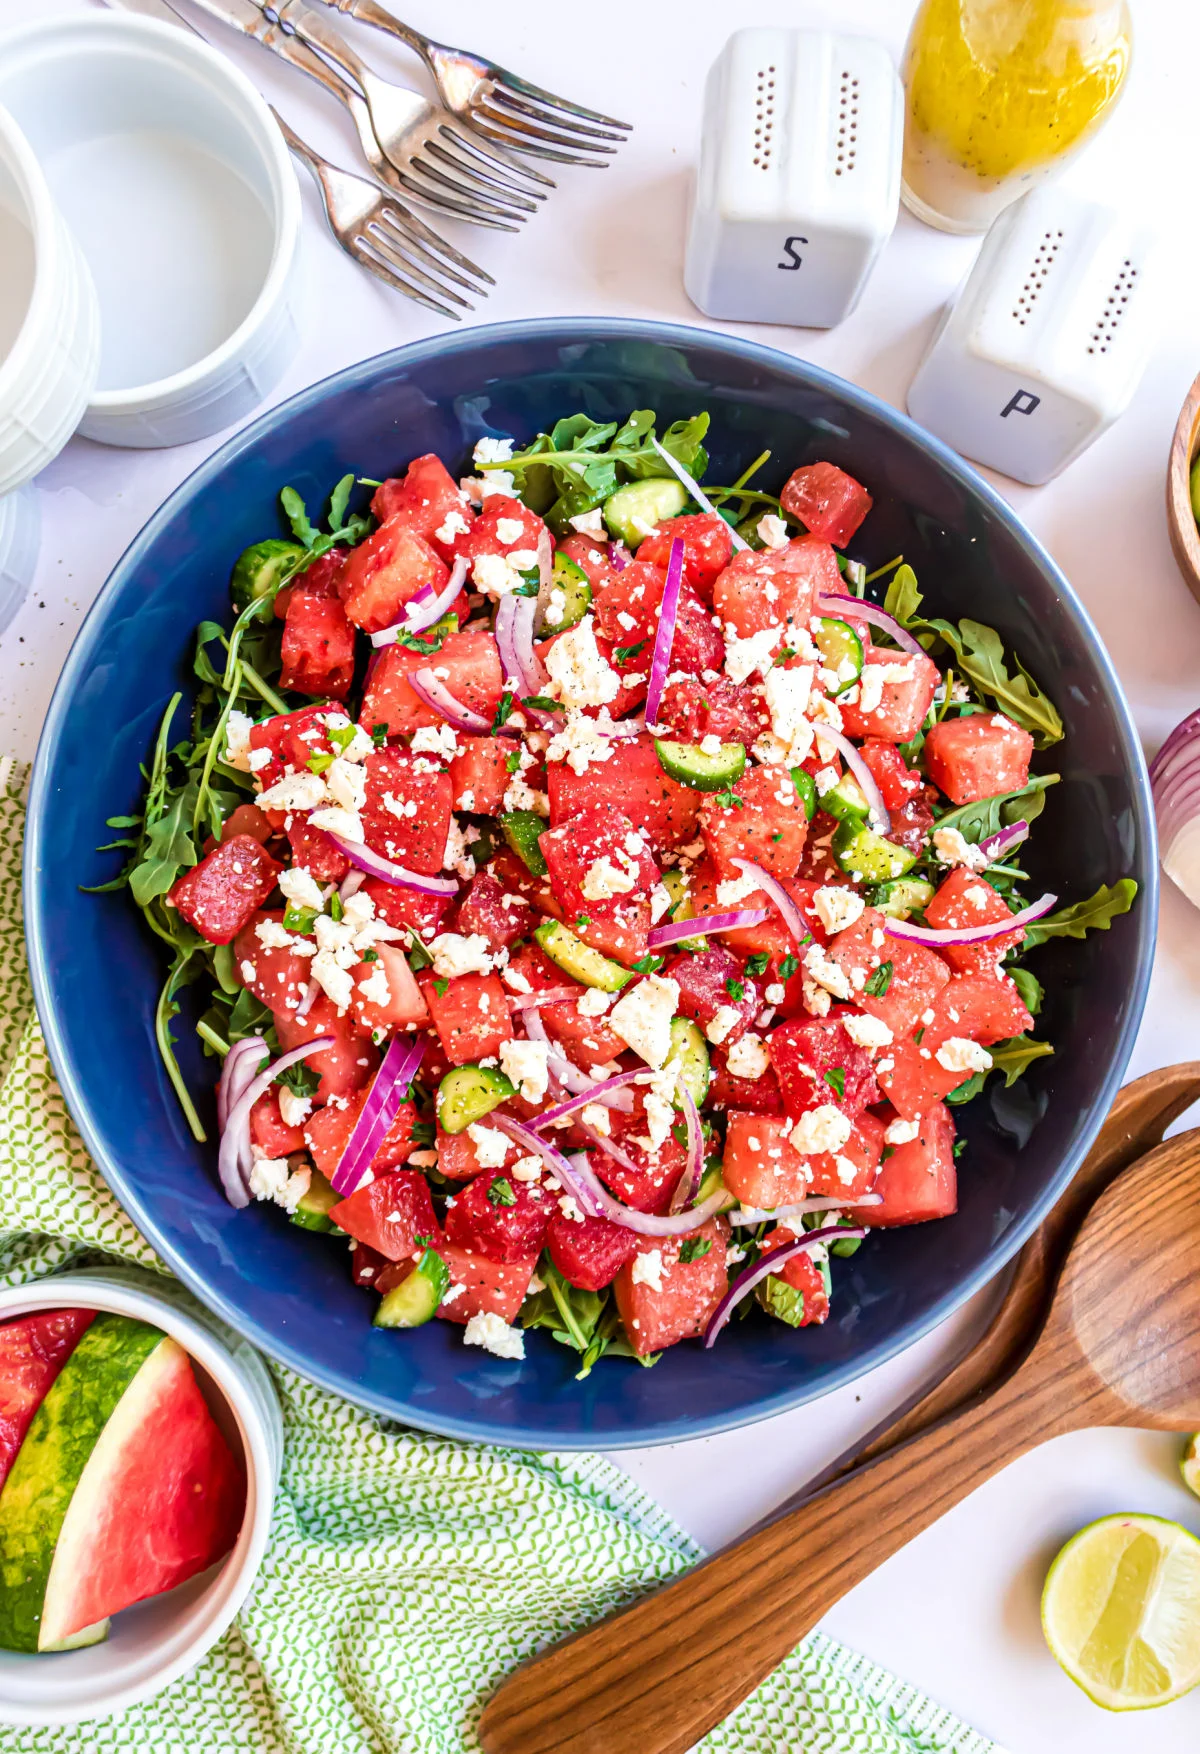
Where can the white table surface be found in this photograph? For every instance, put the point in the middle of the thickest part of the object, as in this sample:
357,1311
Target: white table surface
956,1611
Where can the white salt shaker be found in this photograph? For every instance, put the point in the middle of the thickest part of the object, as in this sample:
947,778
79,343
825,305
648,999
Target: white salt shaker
1046,341
799,178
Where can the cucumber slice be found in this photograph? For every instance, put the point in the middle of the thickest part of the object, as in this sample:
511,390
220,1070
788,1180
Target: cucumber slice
861,852
689,1052
467,1093
579,960
676,885
521,829
902,897
846,801
633,510
259,568
569,582
840,646
806,787
313,1211
688,763
415,1300
712,1182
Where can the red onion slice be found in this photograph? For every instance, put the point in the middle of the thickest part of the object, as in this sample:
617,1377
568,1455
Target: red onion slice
697,492
234,1156
749,1217
600,1143
970,934
998,846
426,607
545,560
364,858
566,1171
389,1090
864,611
532,667
594,1093
593,1198
618,556
307,1000
427,688
351,884
862,773
660,662
570,1076
515,678
551,996
763,1269
235,1074
704,924
792,918
688,1185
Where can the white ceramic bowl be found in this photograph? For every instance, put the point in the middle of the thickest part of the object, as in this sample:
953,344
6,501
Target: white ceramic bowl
49,326
179,188
20,527
159,1640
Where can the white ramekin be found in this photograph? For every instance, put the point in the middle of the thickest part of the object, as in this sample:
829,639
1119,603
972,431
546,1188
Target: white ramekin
155,1642
49,368
128,116
20,527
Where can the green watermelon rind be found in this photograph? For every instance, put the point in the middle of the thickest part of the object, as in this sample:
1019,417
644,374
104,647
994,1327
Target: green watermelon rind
61,1437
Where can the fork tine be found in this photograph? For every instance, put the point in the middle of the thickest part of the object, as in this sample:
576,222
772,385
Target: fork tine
578,132
521,136
386,216
540,95
394,255
505,190
511,207
494,164
420,190
434,243
360,249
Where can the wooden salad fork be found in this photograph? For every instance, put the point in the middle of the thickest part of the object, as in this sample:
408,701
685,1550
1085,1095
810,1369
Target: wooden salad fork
508,110
1120,1346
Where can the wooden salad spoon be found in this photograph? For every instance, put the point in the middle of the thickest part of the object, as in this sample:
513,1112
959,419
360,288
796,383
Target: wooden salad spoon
1137,1120
1120,1346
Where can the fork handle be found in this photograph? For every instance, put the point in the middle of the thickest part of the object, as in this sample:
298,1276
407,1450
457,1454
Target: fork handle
312,29
368,12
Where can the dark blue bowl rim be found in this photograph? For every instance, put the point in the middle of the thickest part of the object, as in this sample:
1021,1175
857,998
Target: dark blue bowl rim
574,330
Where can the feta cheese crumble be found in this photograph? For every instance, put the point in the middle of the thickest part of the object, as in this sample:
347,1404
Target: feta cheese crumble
454,954
648,1269
642,1018
821,1129
960,1055
749,1058
837,908
493,1333
525,1063
952,849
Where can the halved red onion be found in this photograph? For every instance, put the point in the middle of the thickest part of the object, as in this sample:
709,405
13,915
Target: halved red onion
694,488
660,936
862,610
399,1068
618,556
770,1263
862,773
365,858
1182,736
688,1185
427,688
660,662
750,1217
792,918
970,934
998,846
234,1156
426,606
1175,782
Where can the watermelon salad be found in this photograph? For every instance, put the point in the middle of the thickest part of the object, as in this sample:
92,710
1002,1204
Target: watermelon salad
601,901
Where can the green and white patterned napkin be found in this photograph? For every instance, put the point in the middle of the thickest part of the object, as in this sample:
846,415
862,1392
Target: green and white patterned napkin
405,1574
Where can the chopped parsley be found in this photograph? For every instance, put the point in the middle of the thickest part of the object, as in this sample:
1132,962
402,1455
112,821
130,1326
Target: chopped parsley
342,736
625,654
729,799
504,710
319,762
757,964
336,909
960,1146
880,981
512,762
648,964
542,703
439,987
787,968
299,919
736,990
370,956
835,1077
379,735
694,1249
582,920
501,1192
300,1079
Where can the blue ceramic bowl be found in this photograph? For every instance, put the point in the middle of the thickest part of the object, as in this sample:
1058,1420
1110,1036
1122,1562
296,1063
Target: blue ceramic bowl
97,972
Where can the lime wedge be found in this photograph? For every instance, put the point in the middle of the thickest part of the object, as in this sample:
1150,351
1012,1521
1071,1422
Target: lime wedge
1121,1611
1189,1465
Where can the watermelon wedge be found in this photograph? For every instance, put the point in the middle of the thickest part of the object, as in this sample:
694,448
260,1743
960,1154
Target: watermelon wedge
33,1349
124,1487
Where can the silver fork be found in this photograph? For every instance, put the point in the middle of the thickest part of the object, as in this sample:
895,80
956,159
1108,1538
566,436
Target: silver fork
249,18
433,157
379,232
508,110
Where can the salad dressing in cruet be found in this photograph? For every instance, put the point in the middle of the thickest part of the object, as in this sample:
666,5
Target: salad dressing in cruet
1000,93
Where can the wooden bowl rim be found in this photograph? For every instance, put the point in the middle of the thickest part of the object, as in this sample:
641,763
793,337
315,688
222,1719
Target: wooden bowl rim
1181,520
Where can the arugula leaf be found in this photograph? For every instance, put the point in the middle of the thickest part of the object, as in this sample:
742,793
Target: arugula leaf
169,849
1096,914
297,516
782,1300
1015,1056
903,599
339,499
590,459
1030,988
987,816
